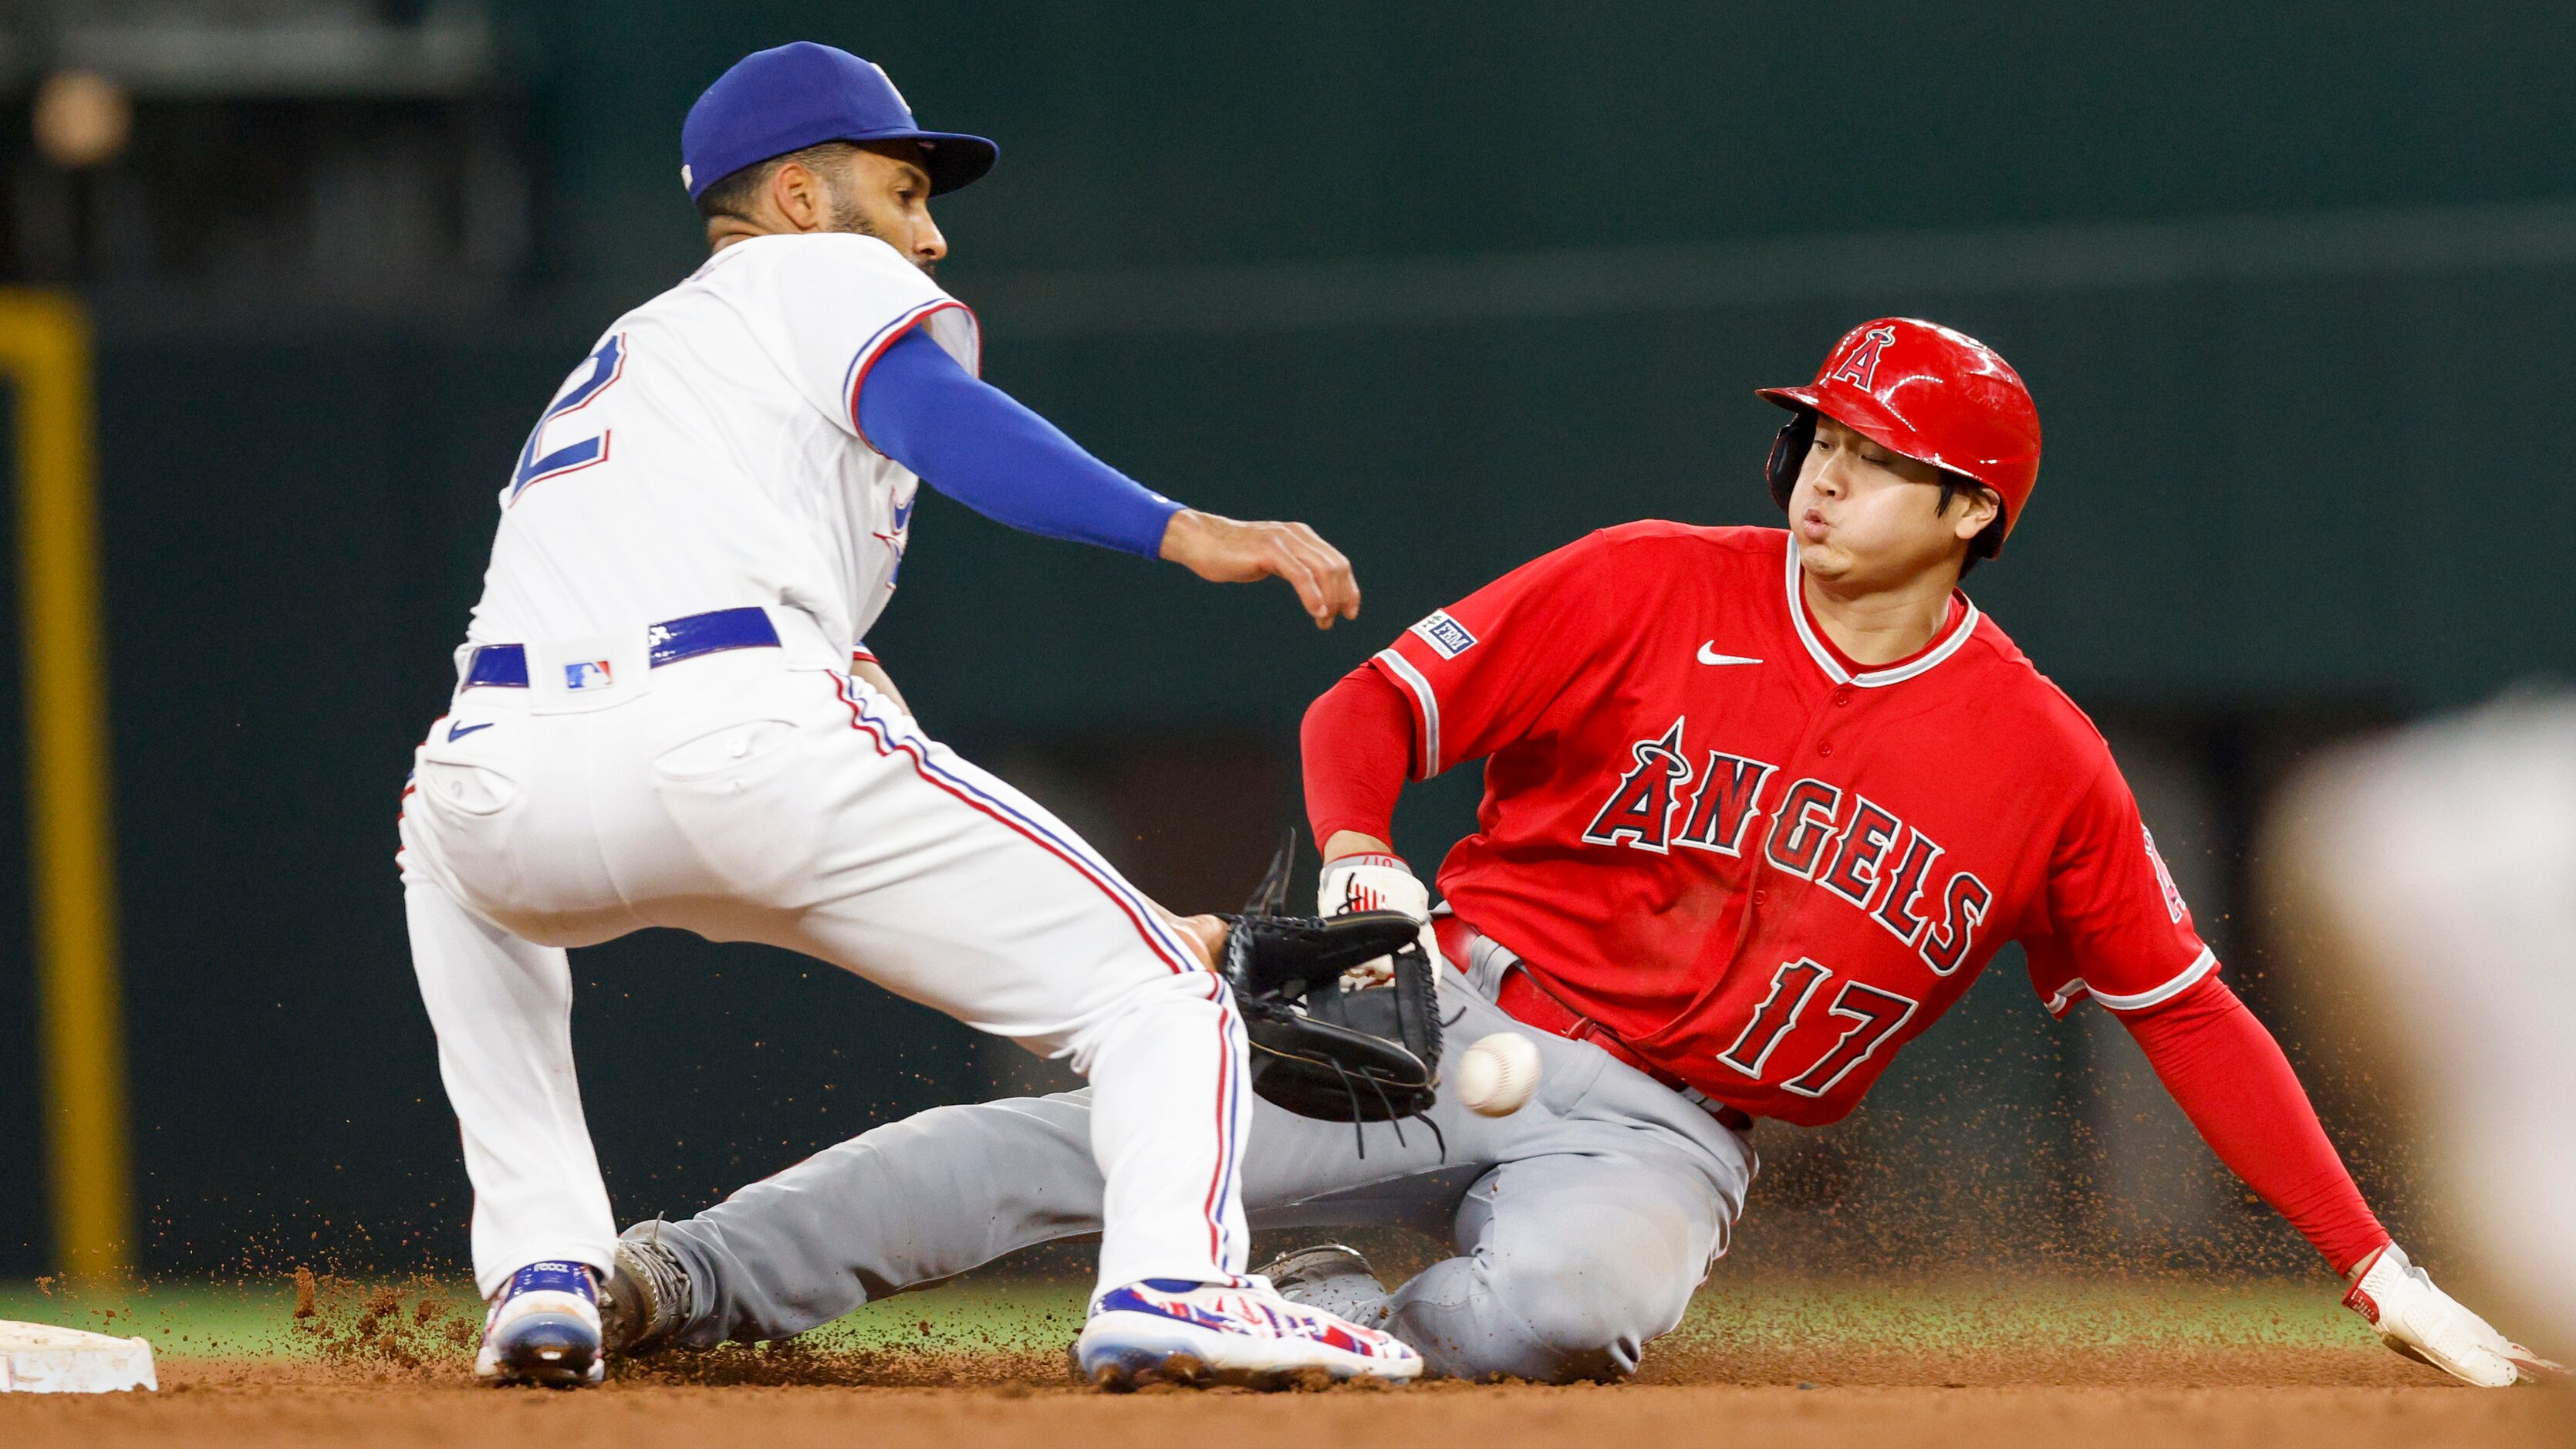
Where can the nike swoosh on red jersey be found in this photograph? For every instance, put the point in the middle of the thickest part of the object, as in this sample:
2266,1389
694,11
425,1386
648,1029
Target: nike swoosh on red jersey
1708,655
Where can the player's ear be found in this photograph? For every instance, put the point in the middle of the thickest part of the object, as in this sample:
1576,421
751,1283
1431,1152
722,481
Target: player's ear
1982,507
798,193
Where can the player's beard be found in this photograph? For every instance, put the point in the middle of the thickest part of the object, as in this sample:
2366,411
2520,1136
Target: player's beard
846,216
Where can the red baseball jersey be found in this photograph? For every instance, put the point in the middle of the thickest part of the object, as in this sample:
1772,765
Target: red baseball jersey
1762,866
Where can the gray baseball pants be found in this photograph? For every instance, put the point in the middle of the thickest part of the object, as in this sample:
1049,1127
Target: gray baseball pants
1583,1221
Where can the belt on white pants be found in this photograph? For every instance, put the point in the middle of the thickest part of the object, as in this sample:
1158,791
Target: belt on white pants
505,666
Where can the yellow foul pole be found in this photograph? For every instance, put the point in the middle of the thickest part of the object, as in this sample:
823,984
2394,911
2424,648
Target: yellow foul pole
45,355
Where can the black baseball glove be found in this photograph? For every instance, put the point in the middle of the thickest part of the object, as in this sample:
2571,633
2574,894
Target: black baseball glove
1318,1050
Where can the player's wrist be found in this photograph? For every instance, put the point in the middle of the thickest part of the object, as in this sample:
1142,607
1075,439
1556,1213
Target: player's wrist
1185,532
1371,882
1345,843
2360,1267
1146,523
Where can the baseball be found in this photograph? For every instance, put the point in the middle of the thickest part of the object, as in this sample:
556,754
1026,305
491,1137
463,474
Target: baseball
1497,1074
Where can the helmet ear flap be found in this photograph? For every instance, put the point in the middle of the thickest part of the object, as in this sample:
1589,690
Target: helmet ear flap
1788,453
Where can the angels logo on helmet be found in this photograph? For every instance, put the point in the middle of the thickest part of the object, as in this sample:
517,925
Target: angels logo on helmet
1861,366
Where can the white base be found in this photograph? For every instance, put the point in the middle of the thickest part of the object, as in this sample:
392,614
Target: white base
38,1358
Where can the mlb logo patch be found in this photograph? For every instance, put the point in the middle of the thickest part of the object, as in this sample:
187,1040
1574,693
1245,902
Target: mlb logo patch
1447,637
589,674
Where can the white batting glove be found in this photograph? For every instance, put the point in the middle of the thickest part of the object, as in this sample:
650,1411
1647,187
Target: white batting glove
2430,1326
1375,883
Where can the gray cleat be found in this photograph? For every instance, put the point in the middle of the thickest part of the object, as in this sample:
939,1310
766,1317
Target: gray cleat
1331,1276
648,1299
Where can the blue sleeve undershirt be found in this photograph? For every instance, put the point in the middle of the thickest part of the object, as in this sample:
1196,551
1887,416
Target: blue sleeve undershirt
976,444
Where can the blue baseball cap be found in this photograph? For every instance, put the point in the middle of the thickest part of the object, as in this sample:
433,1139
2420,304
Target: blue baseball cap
802,94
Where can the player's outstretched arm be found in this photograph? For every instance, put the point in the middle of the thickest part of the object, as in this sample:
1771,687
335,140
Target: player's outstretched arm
2229,1076
980,446
1229,551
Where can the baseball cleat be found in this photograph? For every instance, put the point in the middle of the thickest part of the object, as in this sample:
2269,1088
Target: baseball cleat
648,1295
544,1329
1173,1331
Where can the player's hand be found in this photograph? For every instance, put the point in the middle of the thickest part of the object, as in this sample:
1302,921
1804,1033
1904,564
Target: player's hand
1229,551
1204,935
1375,883
2430,1326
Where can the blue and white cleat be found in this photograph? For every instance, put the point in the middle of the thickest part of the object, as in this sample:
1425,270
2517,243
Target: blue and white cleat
1173,1331
544,1329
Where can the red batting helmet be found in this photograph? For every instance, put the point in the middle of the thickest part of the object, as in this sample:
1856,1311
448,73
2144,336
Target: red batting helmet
1926,392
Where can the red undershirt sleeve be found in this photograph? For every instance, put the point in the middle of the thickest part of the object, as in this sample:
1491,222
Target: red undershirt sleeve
1357,745
2230,1078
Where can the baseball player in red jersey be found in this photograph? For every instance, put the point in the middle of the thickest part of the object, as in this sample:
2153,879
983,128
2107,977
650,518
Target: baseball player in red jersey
1759,805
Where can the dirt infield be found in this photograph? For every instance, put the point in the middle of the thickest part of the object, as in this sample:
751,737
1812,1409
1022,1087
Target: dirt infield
278,1406
1992,1363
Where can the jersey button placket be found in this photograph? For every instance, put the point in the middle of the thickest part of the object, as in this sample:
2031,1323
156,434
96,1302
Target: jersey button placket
1842,696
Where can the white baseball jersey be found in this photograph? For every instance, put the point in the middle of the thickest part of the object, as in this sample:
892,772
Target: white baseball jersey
707,454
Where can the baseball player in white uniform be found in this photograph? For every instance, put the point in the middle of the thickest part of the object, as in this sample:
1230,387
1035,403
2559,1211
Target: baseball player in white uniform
665,716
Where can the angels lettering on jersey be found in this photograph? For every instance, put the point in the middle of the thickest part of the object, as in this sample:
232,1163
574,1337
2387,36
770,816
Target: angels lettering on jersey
1850,848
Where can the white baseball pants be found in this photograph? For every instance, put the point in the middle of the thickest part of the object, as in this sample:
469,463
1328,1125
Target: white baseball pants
758,796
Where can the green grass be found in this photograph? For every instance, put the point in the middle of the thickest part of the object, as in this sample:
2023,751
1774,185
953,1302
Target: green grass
190,1319
1995,1313
200,1319
1000,1315
180,1318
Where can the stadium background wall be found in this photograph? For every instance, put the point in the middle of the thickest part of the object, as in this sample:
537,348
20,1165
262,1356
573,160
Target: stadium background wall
1501,274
